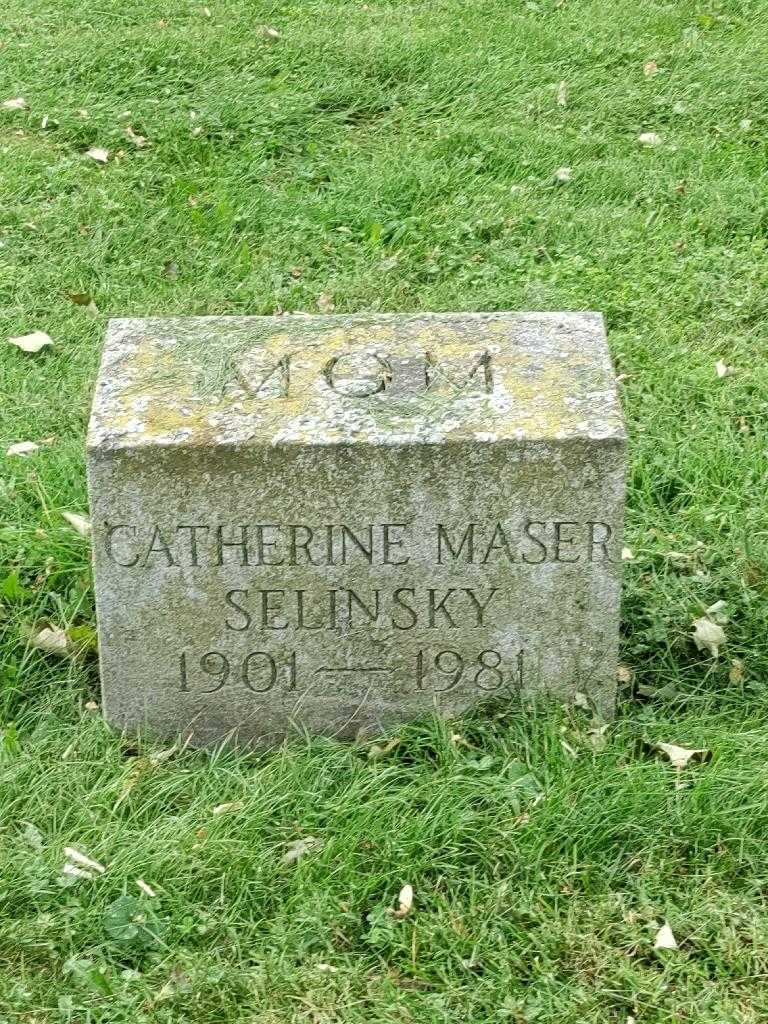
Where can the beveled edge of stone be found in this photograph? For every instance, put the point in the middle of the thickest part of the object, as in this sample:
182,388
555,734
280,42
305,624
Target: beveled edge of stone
130,411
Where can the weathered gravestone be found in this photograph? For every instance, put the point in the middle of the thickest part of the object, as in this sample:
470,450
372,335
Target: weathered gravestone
339,523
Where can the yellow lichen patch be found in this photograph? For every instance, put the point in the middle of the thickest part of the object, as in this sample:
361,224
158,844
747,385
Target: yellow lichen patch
254,380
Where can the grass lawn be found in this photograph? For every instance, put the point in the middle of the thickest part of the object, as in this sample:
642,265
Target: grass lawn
396,156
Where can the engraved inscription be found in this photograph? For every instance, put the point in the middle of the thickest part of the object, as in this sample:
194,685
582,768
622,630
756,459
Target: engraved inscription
263,578
440,671
204,545
361,374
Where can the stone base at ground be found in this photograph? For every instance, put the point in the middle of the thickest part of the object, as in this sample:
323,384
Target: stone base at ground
336,524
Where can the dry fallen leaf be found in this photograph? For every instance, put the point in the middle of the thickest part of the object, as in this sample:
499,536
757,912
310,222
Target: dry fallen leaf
51,641
78,523
325,303
84,299
82,860
563,174
75,872
708,636
624,674
23,448
301,847
15,104
650,68
680,756
562,95
31,342
722,370
233,805
736,671
665,938
270,33
649,139
404,901
717,612
139,141
376,752
101,156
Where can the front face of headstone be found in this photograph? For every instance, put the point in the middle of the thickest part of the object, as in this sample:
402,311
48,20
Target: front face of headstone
337,524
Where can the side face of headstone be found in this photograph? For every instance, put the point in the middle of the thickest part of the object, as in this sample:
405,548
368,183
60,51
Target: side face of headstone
335,524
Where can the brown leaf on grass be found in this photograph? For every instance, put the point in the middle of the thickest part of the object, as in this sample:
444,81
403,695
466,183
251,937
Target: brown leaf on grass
83,861
18,103
139,141
680,757
708,635
376,752
301,847
736,671
51,640
717,612
665,938
270,34
650,68
23,449
101,156
31,342
78,523
624,674
227,808
325,303
404,902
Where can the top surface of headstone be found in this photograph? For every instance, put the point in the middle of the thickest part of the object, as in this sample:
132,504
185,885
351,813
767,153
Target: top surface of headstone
382,379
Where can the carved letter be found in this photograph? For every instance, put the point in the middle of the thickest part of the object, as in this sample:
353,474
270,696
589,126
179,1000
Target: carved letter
440,607
108,543
539,544
498,542
390,542
468,539
480,608
561,541
406,607
159,546
439,377
593,541
370,379
230,600
192,541
260,378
